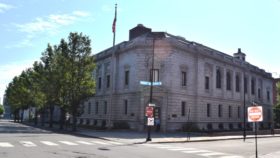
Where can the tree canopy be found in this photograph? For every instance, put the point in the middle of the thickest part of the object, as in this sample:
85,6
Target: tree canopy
63,78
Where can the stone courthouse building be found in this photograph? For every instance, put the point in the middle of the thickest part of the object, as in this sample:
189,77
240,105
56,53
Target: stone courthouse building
200,86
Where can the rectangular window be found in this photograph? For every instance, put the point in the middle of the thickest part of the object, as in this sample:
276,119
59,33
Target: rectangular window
229,112
184,78
228,81
126,79
155,75
206,82
238,111
208,110
237,86
268,95
105,107
183,108
253,87
220,110
99,82
96,107
218,79
108,81
89,108
245,85
125,107
259,93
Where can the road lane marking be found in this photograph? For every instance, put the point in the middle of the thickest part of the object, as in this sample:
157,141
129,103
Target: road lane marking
6,145
49,143
86,143
68,143
27,144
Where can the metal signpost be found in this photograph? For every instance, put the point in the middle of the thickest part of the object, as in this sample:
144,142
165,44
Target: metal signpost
255,114
150,108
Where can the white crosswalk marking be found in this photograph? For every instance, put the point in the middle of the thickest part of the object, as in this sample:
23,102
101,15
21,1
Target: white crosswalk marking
196,151
181,149
211,154
232,156
27,144
49,143
86,143
99,142
116,143
6,145
68,143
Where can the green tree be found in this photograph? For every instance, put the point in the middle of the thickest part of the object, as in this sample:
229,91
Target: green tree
1,109
36,85
277,107
78,79
18,94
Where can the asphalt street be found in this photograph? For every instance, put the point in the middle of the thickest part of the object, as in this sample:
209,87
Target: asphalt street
28,142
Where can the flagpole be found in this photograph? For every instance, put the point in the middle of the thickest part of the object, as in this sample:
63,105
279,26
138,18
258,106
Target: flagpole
114,26
112,69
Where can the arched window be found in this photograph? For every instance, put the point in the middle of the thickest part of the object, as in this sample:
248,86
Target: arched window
218,79
228,81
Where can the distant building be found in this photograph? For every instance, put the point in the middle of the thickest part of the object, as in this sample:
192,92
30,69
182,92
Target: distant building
7,109
200,85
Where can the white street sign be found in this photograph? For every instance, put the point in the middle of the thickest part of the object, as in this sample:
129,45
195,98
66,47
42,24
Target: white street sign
147,83
151,121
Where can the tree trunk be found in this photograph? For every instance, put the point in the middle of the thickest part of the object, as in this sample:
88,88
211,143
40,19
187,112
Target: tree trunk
74,126
62,118
21,116
43,111
15,116
51,116
36,117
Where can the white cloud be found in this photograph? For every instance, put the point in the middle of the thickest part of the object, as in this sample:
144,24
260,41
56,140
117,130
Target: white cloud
51,23
45,26
81,13
5,7
62,20
38,25
9,71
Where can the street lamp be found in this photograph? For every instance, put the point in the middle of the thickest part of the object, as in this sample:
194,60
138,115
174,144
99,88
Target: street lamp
151,88
244,107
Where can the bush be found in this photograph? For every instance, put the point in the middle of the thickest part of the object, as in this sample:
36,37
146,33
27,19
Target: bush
121,125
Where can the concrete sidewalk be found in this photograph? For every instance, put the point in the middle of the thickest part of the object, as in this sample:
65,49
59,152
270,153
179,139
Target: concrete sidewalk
140,137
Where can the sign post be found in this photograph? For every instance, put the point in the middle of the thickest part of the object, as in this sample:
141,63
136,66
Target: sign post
150,107
255,114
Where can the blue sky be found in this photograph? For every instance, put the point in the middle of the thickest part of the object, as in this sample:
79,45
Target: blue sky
27,26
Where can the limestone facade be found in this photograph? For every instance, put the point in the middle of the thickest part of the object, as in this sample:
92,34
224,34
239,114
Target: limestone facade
200,85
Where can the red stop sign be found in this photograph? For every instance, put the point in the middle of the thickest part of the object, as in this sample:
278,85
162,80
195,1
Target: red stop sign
149,111
255,114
